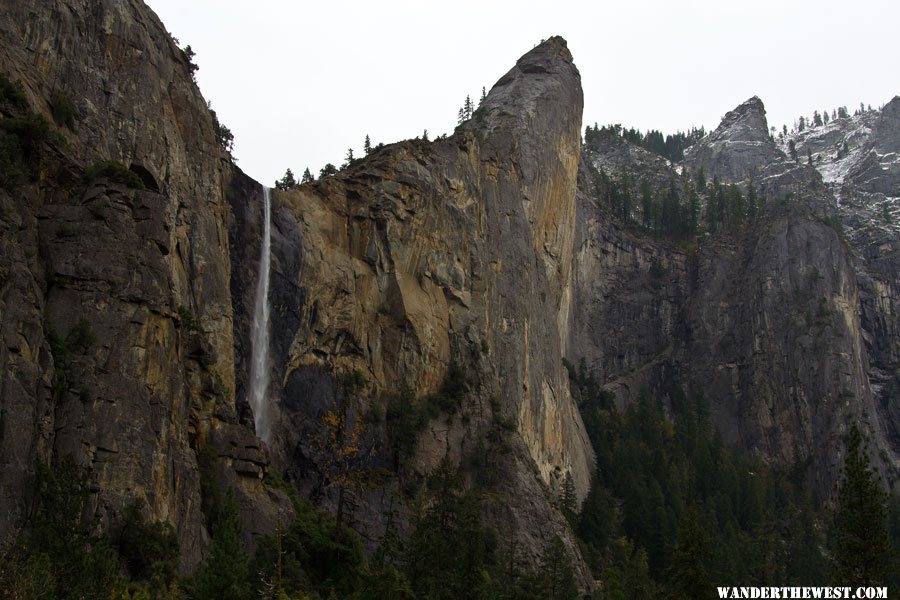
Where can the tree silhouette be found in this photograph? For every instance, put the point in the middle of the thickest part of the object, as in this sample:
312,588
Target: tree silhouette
862,545
287,182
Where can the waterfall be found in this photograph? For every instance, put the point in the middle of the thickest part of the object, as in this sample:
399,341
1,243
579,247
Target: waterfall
259,341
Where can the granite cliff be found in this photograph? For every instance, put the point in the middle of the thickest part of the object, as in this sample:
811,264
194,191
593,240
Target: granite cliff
447,278
125,304
787,325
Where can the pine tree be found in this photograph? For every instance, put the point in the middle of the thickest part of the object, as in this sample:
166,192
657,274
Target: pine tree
557,579
801,124
425,136
825,117
467,107
328,169
752,202
348,160
647,203
306,177
701,180
461,116
287,182
568,501
192,66
688,575
862,545
367,145
483,97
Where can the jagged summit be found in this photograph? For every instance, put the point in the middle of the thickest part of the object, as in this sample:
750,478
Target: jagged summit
545,56
747,122
740,147
533,115
544,83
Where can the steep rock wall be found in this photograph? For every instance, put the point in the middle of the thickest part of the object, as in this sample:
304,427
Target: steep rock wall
786,327
116,311
423,255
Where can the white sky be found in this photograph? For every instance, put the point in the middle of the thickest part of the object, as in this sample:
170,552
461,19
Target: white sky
300,82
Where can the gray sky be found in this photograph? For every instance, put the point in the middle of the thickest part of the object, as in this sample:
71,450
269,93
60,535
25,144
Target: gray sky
300,82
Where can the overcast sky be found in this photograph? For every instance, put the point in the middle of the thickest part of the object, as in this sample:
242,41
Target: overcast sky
300,82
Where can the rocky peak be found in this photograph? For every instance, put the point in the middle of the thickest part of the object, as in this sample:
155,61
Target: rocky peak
740,148
886,132
746,123
539,97
395,297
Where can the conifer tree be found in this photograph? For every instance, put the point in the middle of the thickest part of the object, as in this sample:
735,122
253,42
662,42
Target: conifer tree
568,501
693,210
557,578
862,545
367,145
701,180
647,204
425,136
286,182
348,160
688,575
483,97
306,177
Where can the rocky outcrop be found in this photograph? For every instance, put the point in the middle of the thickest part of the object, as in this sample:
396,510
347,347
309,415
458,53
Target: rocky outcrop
427,255
879,171
739,148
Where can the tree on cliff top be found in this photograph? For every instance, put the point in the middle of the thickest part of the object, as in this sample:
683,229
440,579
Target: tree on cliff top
287,182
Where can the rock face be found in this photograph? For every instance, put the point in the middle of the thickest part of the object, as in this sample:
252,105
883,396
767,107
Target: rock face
125,313
788,330
116,313
425,255
859,159
471,264
739,148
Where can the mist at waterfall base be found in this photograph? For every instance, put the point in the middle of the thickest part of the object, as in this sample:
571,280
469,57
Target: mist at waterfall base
259,340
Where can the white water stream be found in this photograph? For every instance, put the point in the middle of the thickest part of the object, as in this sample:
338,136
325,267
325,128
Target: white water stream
259,337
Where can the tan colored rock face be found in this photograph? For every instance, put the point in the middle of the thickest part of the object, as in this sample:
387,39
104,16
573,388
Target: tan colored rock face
425,252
